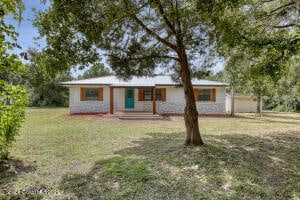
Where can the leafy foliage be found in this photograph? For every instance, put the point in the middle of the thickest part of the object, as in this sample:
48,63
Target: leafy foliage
9,61
44,90
12,98
137,36
286,92
258,38
96,70
12,114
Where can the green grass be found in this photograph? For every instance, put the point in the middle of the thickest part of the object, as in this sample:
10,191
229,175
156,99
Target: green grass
247,157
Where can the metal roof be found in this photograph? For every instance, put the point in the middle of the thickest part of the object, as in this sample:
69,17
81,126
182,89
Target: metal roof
114,81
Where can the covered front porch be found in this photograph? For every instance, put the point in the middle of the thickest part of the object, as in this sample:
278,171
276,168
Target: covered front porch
133,100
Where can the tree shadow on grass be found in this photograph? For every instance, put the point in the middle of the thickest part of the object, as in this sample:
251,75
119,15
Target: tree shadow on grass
281,115
10,171
233,166
267,118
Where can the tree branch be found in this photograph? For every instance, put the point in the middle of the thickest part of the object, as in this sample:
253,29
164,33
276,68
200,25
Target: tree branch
144,57
267,1
283,6
151,32
179,35
166,20
266,15
178,21
284,26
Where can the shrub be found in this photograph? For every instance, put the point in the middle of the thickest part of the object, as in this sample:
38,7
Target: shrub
12,113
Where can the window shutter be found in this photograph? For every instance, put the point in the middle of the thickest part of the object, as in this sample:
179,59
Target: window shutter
140,94
100,93
163,94
82,94
196,94
213,95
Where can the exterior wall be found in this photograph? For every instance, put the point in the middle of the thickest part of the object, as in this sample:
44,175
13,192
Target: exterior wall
141,105
242,104
77,106
119,98
175,102
218,107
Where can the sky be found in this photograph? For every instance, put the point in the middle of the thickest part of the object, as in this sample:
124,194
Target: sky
27,32
25,29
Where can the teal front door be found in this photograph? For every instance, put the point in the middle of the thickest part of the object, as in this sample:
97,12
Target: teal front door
129,98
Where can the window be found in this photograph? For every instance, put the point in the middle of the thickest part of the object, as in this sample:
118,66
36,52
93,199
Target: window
204,95
159,94
91,94
147,94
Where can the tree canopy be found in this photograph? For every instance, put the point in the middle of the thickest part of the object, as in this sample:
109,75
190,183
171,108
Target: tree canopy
267,31
42,89
96,70
137,36
258,38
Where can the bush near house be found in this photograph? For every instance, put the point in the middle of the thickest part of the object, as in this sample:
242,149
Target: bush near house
12,113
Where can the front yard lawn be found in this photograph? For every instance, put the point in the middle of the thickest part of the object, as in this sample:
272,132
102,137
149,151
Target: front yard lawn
62,157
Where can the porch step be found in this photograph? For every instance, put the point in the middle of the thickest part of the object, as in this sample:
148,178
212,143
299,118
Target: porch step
138,116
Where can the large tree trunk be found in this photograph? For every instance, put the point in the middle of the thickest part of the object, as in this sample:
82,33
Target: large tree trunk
258,100
232,100
190,112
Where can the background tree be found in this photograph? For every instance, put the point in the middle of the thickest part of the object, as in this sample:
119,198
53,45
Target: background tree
44,90
266,31
234,72
96,70
286,95
260,28
258,84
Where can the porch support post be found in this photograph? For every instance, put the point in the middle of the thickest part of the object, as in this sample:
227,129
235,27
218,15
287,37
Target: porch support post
111,100
154,100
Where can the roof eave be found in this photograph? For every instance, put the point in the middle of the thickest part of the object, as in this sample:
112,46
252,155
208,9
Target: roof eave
119,86
94,84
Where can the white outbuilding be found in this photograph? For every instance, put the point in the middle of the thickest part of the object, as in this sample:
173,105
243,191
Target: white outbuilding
242,104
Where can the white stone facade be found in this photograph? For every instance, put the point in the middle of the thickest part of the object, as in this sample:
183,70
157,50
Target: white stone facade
77,106
174,104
